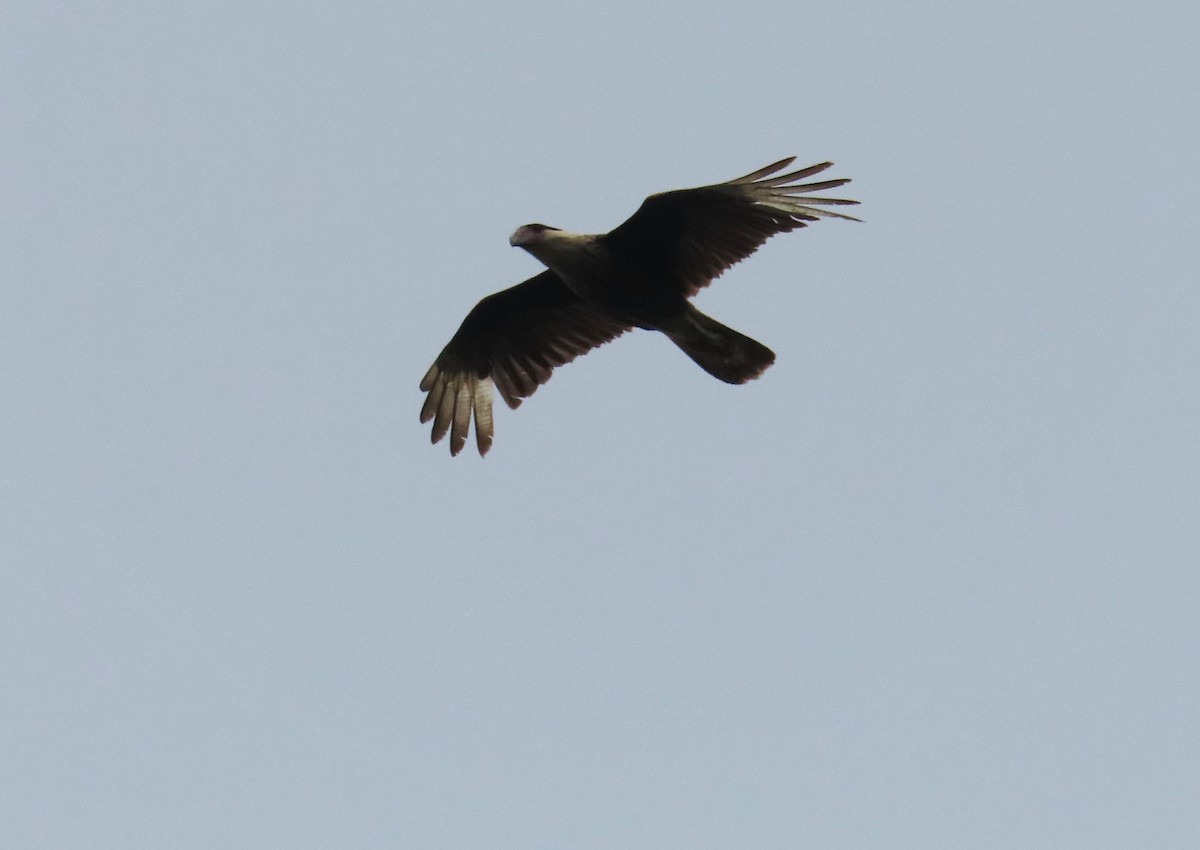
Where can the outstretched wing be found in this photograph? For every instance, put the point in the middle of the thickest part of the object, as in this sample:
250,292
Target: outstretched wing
513,339
690,236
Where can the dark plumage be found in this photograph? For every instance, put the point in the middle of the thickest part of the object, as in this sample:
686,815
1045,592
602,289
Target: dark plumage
596,287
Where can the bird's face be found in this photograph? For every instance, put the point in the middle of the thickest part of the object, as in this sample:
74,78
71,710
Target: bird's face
529,235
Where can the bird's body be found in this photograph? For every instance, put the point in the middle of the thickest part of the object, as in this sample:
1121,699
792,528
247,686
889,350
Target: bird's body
597,275
597,286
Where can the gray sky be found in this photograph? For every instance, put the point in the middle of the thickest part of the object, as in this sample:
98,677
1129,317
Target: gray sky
931,582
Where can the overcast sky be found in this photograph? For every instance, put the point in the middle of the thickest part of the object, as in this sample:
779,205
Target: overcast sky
931,582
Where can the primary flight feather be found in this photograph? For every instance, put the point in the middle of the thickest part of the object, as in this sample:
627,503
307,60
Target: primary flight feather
598,286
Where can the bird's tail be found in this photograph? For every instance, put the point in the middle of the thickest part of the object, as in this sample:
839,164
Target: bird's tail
720,351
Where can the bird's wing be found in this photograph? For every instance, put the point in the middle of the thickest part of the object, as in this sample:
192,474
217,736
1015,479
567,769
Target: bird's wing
690,236
513,339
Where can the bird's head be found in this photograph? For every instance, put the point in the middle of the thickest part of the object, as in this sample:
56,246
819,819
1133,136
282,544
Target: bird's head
530,234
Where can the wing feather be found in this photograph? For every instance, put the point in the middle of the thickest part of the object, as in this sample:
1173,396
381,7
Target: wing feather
483,416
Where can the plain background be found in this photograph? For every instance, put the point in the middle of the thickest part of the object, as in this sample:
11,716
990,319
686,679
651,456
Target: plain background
930,583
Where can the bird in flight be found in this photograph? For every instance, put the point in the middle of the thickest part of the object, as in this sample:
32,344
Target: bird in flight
598,286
